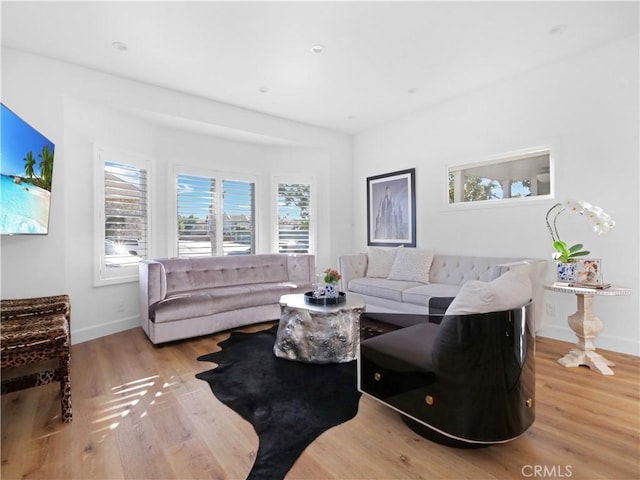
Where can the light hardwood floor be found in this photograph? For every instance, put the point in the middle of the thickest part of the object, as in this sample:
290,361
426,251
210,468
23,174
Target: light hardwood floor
139,413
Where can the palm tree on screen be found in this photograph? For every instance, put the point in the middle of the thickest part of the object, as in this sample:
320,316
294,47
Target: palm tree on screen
46,167
29,163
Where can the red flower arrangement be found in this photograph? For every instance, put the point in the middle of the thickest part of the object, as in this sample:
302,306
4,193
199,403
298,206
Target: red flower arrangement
331,275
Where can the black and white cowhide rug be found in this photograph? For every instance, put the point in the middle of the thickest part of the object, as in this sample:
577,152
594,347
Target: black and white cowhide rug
288,403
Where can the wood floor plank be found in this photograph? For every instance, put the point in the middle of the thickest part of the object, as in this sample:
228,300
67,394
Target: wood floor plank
18,409
139,412
216,424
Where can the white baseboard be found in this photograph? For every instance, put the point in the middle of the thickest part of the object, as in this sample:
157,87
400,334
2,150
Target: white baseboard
603,341
89,333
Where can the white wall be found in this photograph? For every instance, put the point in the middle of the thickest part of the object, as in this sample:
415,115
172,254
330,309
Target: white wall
75,107
587,107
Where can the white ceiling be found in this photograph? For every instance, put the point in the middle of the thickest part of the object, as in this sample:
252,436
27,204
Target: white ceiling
376,52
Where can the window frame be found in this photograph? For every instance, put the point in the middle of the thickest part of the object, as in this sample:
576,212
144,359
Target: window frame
103,275
514,155
219,176
276,181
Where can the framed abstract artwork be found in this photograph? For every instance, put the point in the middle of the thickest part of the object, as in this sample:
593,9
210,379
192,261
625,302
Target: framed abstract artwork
391,209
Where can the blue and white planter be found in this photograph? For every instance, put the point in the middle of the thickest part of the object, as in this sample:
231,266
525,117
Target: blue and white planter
567,272
331,290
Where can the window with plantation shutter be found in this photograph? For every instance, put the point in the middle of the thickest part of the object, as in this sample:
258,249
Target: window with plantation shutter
295,229
122,227
215,215
238,208
197,212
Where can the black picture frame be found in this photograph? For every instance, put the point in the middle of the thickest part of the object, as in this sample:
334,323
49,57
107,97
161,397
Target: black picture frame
391,209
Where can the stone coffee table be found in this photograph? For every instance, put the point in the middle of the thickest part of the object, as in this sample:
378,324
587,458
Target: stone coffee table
318,333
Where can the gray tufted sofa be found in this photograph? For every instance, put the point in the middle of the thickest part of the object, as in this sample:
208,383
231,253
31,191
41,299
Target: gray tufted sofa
188,297
447,274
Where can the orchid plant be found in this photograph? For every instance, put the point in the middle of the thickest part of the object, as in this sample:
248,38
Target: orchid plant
600,221
331,275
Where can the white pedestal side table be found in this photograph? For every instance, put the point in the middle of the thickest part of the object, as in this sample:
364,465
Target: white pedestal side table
586,327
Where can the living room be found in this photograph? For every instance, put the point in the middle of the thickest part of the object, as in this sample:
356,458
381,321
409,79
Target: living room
584,105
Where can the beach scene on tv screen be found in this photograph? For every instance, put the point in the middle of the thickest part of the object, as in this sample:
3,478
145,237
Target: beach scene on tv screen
26,168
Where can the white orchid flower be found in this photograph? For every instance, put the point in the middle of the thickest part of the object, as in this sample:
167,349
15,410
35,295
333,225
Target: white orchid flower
599,221
585,207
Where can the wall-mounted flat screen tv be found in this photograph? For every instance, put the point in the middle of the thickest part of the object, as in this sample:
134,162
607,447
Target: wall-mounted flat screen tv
26,170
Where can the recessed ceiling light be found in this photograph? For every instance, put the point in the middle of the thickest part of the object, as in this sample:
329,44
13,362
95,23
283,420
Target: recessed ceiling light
558,29
318,48
121,46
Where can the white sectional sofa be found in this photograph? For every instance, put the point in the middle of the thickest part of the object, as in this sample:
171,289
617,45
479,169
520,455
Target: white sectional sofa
188,297
407,280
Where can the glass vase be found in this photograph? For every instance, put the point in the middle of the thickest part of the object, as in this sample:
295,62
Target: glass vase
318,287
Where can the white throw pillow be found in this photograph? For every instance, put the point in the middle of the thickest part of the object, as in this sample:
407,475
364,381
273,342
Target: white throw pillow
412,264
508,291
380,261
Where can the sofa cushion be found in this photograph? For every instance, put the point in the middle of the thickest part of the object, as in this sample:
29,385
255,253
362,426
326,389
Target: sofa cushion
380,261
204,302
380,287
420,295
508,291
412,264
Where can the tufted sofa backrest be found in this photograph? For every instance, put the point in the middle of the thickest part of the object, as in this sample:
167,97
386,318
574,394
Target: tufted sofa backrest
188,274
457,269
